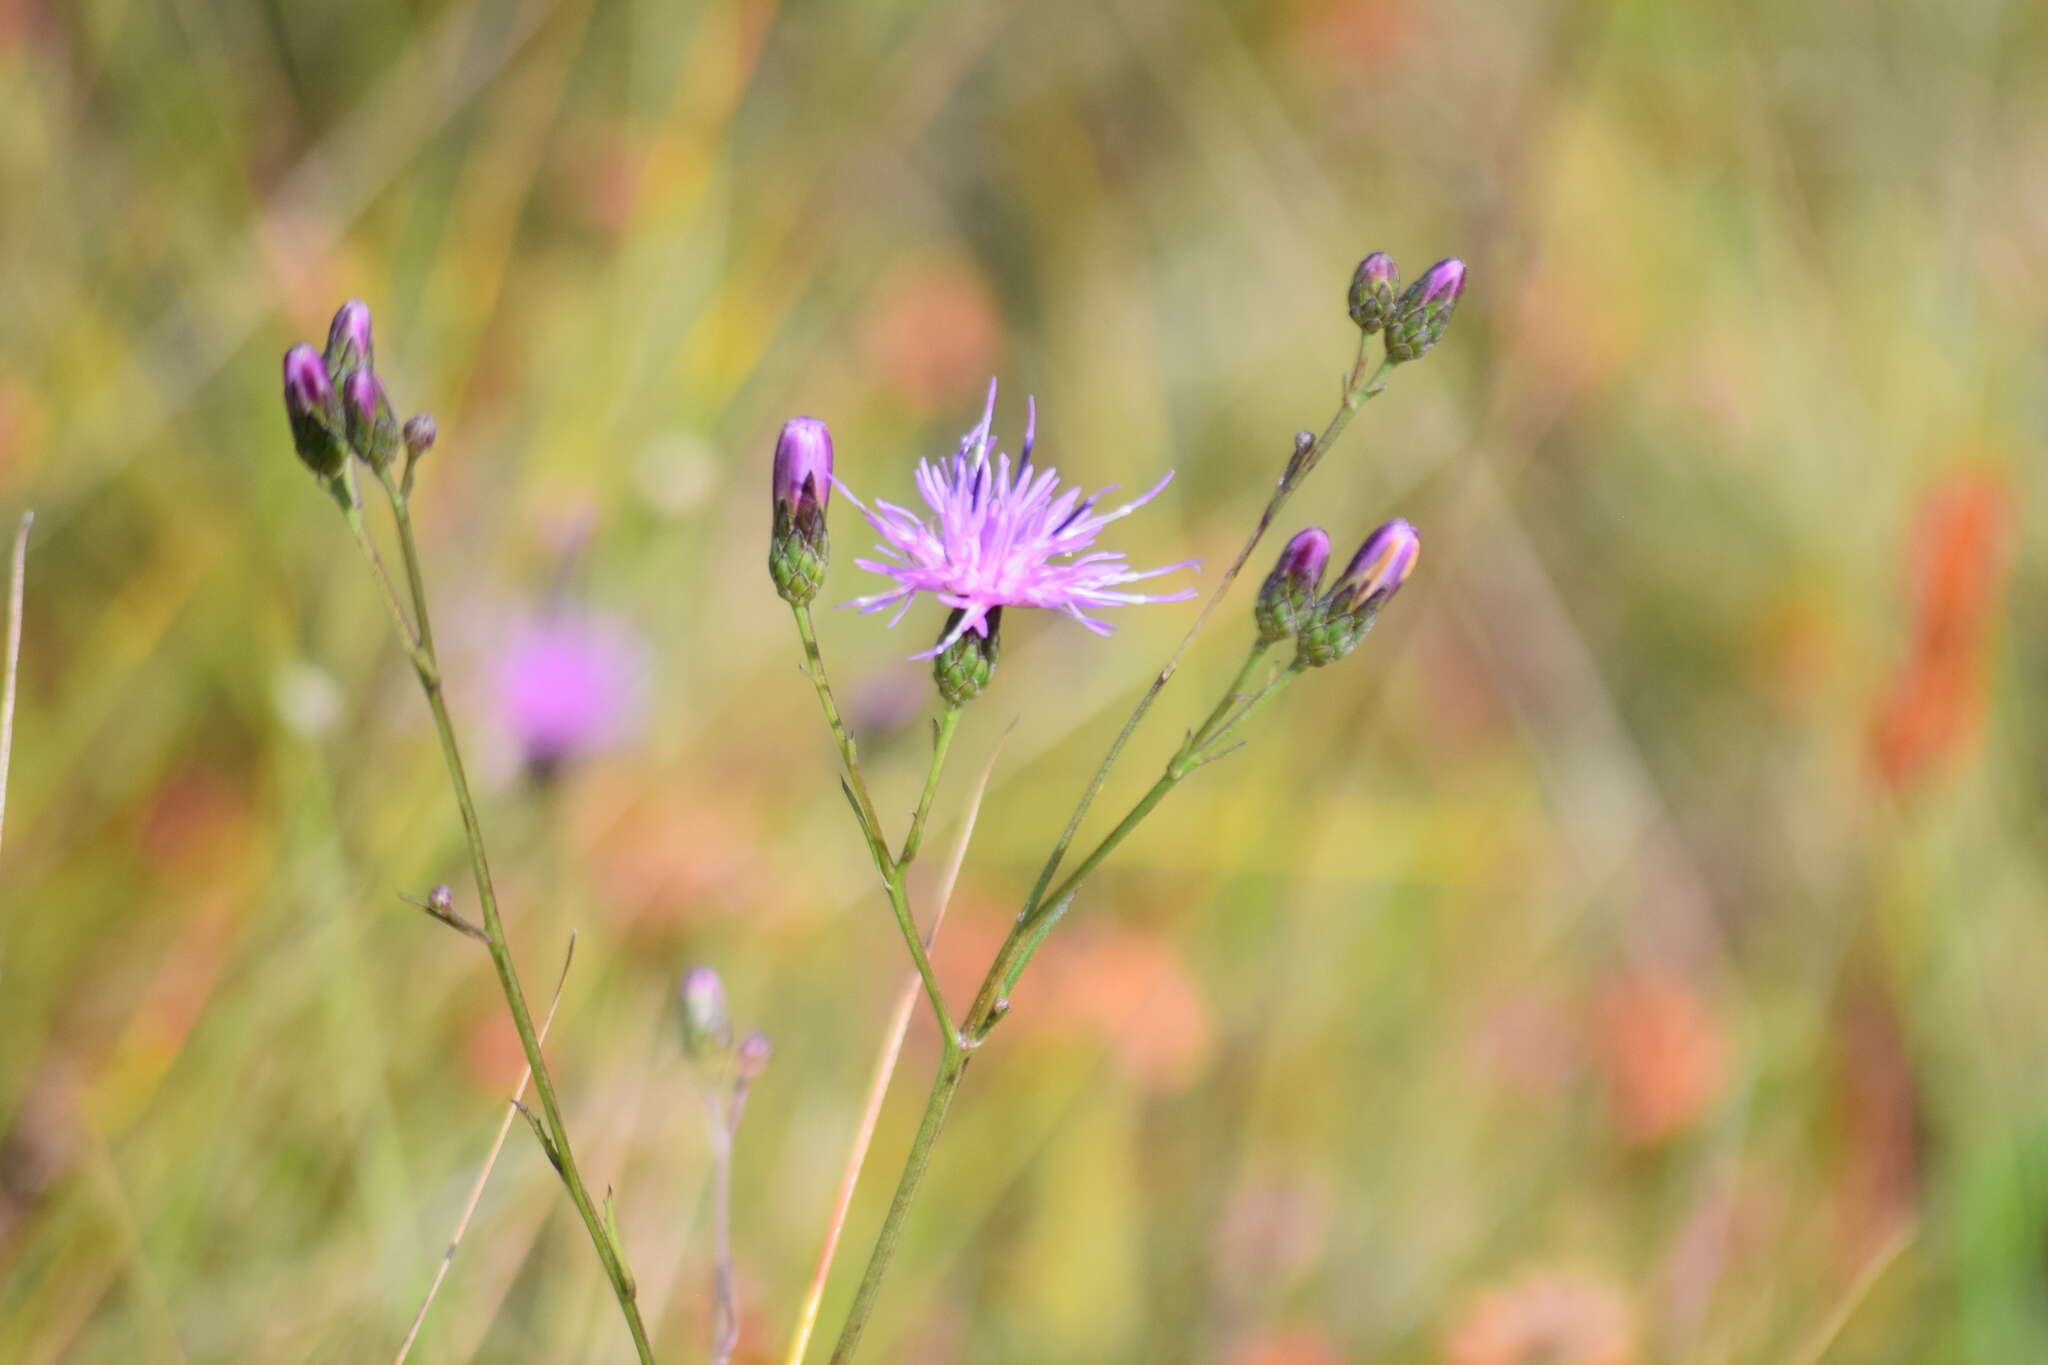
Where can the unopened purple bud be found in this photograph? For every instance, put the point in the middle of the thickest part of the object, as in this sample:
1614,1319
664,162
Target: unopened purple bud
706,1025
1287,598
1372,291
419,434
348,340
1424,310
1353,603
366,414
309,403
801,487
1380,567
751,1058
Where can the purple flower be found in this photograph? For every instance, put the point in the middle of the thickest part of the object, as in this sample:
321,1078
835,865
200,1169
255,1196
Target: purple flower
1424,310
1379,568
348,340
1372,291
803,466
567,687
1288,596
1000,536
799,490
366,416
309,404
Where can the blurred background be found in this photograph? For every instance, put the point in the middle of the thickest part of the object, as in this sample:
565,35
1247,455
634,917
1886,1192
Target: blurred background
1633,953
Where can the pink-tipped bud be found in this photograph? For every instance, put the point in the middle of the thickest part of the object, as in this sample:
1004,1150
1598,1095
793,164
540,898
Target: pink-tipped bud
1424,310
1380,567
367,418
420,433
751,1058
348,341
707,1028
310,405
1372,292
1354,601
801,488
1287,598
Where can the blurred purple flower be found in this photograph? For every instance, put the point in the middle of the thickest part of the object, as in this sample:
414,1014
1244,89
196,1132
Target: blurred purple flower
999,537
569,685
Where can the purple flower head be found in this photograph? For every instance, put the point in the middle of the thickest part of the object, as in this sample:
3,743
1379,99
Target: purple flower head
800,488
348,340
367,417
803,465
1443,283
567,687
1001,536
1379,568
309,404
1288,596
1372,291
1424,309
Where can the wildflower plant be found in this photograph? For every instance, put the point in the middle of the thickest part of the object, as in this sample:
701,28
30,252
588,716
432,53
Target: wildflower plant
343,425
997,535
1000,535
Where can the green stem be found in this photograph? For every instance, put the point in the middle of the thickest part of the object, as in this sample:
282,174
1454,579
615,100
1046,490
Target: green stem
1359,386
1002,976
942,739
945,1085
428,667
892,869
1231,697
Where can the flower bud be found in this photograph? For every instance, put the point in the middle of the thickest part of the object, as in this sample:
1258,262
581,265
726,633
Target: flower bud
798,549
348,341
315,416
419,434
707,1028
1348,610
1424,310
963,668
1288,596
1372,292
366,414
751,1059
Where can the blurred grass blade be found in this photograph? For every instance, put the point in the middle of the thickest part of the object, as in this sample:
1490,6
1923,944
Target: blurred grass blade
16,576
885,1069
476,1191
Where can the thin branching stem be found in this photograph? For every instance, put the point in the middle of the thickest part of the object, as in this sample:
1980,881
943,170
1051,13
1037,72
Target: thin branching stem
894,870
420,643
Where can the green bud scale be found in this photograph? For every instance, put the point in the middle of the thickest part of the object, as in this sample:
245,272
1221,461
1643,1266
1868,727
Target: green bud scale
963,669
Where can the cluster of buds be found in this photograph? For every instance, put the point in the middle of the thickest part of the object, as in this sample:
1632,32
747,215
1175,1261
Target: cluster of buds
707,1028
337,404
1415,318
798,548
1327,626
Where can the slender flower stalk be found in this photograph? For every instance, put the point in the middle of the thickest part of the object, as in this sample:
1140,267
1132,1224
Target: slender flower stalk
320,434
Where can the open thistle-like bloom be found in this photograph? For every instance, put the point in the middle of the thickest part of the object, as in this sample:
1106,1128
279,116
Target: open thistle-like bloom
1001,536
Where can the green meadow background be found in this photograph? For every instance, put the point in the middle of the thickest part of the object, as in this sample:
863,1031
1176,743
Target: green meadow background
1634,953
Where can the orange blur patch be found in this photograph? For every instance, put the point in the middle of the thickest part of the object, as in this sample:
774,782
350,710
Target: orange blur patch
931,332
1958,555
1664,1053
1557,1318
